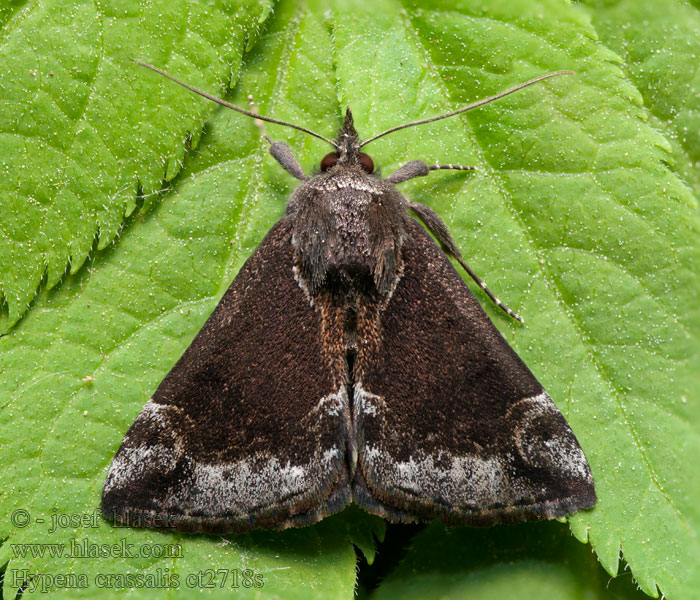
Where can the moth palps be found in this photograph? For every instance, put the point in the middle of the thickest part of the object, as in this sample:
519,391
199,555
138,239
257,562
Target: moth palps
348,362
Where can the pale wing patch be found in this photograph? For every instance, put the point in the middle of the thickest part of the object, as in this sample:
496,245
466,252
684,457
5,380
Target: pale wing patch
465,481
131,462
233,487
366,403
258,481
302,282
473,481
334,404
560,451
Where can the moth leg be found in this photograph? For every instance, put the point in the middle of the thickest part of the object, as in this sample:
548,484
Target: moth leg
280,151
417,168
437,227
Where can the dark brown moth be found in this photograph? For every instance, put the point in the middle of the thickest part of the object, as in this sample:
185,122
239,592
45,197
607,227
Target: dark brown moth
348,362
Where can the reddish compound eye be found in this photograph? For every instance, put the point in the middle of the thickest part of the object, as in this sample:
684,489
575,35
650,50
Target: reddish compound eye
366,163
329,160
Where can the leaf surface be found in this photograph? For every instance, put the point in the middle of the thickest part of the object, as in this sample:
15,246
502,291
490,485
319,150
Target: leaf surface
574,218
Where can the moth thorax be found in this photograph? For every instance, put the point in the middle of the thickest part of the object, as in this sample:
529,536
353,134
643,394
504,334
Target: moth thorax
348,227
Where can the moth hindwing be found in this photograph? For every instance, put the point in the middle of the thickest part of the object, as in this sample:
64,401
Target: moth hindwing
348,361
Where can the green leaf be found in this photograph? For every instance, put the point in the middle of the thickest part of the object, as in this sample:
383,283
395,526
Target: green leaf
660,48
574,218
538,560
82,129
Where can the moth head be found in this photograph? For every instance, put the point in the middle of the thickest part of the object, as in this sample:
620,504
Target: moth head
347,143
348,153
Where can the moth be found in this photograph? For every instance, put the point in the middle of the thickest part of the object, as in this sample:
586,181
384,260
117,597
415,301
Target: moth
348,362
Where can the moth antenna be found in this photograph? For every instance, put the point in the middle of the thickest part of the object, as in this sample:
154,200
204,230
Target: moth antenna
234,107
468,106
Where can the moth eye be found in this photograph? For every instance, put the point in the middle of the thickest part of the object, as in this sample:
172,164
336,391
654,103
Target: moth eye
366,163
329,160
